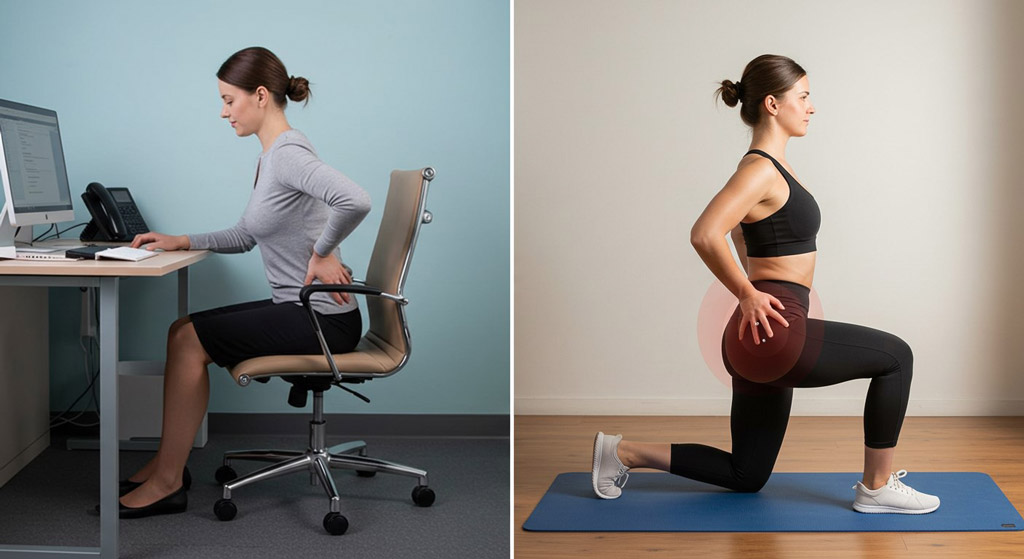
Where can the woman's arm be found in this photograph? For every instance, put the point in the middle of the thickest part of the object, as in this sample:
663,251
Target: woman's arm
234,239
741,247
746,188
299,168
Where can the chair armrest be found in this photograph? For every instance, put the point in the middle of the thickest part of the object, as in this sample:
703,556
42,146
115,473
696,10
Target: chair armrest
361,289
309,290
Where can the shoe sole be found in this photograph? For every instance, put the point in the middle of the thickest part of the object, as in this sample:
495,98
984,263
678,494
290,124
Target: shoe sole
598,446
879,509
148,513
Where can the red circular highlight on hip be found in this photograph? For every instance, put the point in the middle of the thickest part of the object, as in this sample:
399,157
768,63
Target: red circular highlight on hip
763,362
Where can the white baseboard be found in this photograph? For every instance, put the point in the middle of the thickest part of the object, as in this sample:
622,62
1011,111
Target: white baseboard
720,406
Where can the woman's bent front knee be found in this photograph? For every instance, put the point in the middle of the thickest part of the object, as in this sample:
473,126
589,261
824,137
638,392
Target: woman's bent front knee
182,335
901,353
905,359
183,340
178,325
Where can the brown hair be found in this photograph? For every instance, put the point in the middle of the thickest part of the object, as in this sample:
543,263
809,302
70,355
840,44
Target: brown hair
255,66
768,74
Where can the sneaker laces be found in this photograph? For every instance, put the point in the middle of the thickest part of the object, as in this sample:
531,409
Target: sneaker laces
898,485
620,478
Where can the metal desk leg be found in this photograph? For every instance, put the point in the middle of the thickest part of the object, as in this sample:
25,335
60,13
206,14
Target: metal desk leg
108,417
182,292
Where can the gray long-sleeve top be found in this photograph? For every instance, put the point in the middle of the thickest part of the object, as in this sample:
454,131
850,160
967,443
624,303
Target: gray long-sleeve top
299,204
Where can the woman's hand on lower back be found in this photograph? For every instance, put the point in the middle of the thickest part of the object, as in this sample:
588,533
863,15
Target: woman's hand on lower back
329,270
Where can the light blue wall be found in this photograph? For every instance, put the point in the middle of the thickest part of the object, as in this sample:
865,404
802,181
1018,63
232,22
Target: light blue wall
396,84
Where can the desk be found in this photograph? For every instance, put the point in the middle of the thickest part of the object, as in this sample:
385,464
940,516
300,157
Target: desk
104,275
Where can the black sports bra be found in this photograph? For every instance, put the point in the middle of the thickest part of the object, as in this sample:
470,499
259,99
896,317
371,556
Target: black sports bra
790,230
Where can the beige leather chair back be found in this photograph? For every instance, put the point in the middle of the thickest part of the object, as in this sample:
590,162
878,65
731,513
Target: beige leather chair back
389,263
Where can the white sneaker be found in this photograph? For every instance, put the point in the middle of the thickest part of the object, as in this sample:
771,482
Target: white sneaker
609,475
894,497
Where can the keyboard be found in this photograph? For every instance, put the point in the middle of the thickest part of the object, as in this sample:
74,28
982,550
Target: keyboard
127,253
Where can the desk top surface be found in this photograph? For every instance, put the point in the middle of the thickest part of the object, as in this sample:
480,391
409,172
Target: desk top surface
160,265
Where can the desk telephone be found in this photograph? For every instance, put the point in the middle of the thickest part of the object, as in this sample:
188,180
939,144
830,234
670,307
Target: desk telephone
115,217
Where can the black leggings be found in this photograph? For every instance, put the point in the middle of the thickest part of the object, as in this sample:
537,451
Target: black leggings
810,353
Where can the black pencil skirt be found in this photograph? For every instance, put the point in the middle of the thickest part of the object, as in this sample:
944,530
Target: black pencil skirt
235,333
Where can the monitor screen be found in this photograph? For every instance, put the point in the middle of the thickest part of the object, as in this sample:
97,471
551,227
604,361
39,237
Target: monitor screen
32,162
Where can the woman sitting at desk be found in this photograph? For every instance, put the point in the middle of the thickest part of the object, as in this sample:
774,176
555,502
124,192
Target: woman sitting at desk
299,212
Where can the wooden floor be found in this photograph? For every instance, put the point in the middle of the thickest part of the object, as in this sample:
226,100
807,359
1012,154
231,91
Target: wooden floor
548,445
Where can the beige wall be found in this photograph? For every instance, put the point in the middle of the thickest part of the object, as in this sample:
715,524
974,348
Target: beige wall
912,156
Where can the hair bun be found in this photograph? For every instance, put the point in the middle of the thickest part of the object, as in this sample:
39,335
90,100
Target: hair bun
298,89
731,92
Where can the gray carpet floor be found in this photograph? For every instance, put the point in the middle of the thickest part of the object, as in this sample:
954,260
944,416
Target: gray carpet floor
51,502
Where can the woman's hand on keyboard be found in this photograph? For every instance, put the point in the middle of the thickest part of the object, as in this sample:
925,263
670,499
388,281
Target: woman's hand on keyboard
154,240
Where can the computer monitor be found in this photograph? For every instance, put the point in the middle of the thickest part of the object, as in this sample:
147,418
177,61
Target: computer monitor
35,180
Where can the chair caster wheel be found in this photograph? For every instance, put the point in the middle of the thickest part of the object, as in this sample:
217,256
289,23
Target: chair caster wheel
423,496
225,509
225,474
335,523
361,473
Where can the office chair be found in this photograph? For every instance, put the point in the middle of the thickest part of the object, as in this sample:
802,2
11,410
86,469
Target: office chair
380,353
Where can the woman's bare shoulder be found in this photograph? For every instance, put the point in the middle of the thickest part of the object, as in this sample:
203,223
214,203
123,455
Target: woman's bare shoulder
753,174
753,163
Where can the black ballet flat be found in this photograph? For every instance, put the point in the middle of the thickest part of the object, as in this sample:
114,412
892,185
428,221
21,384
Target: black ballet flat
174,503
126,486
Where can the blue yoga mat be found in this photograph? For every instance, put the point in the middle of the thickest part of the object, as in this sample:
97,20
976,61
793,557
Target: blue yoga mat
790,502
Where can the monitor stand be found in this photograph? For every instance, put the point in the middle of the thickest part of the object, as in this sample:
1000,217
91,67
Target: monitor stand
7,230
8,237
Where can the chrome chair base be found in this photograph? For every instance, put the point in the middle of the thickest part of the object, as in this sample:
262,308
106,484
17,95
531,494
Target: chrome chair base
318,461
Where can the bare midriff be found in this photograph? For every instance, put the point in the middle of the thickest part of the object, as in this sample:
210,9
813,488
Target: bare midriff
797,268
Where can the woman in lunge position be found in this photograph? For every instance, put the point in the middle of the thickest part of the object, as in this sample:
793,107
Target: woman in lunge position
770,346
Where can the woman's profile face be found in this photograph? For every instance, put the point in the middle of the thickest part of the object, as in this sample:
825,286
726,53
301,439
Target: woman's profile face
795,108
240,108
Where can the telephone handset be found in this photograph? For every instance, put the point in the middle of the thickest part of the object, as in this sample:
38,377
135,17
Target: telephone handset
115,217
